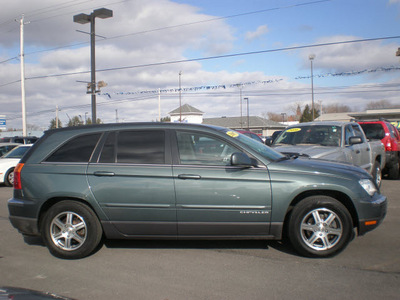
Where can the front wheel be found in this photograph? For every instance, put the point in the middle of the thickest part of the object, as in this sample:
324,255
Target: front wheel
71,230
320,226
9,178
377,173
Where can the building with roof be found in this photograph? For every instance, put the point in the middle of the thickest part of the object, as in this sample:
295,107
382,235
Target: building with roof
390,114
186,114
259,125
255,124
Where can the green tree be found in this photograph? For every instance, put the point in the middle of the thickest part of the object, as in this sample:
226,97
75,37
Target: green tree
89,121
165,119
306,116
75,121
53,124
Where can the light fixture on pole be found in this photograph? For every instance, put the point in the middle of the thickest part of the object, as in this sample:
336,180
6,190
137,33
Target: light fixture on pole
311,58
101,13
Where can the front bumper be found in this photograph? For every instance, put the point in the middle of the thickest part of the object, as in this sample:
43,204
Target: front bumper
376,212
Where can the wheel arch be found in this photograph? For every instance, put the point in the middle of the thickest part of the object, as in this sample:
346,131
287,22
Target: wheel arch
339,196
52,201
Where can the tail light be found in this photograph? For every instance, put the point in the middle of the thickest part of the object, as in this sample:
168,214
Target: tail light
388,146
17,177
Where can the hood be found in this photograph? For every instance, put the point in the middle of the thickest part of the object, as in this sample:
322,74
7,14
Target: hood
314,151
320,167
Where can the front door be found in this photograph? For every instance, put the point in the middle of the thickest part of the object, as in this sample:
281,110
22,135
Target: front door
214,198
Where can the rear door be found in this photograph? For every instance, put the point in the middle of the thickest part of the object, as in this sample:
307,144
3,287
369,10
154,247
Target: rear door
131,180
214,198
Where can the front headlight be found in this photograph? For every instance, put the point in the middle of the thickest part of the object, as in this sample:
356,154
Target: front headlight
368,186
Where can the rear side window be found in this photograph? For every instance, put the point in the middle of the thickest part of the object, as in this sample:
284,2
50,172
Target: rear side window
78,149
373,131
141,147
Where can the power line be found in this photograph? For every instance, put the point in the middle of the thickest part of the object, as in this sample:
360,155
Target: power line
261,93
219,56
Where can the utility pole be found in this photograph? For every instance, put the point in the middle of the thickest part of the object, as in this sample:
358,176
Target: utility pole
180,97
311,58
21,26
56,116
159,105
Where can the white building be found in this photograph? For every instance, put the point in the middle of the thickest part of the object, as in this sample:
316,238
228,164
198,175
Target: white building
187,114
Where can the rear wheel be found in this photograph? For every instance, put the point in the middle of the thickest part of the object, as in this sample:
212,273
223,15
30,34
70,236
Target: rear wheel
71,230
393,172
320,226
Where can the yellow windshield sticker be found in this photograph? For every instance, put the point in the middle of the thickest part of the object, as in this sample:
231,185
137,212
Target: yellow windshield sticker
293,130
232,133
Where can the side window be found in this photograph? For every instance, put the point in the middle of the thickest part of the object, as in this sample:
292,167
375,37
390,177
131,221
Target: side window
141,147
357,131
78,149
200,149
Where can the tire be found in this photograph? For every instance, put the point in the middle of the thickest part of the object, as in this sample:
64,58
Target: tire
320,226
393,172
71,230
377,173
9,179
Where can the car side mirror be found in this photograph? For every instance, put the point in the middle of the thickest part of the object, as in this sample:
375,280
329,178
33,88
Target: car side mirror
355,140
241,159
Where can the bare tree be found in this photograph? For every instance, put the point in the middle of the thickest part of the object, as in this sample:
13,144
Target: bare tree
336,108
379,104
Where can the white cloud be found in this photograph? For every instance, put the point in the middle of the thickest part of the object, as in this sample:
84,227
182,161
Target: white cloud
260,31
344,57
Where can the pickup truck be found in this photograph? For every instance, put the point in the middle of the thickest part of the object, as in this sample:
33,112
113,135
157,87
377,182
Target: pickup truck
335,141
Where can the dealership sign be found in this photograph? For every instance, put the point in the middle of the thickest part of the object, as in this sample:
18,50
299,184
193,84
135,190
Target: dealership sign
2,122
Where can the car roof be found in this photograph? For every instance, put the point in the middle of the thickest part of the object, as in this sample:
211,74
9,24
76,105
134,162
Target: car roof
323,123
118,126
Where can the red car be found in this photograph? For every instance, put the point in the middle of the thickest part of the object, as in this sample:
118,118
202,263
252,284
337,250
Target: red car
390,137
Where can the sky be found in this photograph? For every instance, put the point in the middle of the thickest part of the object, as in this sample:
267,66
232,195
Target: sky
224,50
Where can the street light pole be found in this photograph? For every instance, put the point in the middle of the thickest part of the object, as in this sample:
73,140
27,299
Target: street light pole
102,13
311,57
248,117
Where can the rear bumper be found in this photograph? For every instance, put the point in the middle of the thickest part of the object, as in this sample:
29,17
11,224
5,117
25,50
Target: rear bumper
23,216
392,158
26,226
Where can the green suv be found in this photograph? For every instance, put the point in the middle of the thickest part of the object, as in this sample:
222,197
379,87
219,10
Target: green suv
184,181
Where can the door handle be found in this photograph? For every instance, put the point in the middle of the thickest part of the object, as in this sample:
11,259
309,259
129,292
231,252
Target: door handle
189,176
103,173
358,151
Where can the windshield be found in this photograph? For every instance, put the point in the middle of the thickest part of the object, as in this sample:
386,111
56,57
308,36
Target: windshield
261,149
324,135
17,152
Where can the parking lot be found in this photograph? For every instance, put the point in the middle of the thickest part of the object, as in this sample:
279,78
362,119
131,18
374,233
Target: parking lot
369,268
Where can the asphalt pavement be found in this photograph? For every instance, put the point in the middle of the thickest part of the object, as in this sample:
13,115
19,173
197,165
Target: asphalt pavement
369,268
